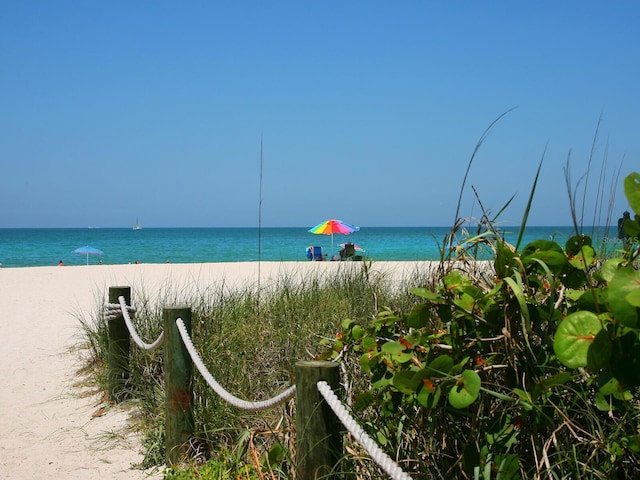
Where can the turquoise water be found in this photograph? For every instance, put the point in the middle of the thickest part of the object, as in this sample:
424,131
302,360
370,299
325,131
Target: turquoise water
42,247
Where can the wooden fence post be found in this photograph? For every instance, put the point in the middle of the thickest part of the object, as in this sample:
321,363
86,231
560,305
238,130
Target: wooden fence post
119,345
178,367
318,430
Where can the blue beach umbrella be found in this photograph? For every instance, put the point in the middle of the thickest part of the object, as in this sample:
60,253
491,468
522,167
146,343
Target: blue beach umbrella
87,250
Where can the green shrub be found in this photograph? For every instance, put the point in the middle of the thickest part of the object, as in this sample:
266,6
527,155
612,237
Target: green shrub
528,372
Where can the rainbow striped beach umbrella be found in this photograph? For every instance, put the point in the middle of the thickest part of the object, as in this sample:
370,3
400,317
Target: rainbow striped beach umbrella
332,226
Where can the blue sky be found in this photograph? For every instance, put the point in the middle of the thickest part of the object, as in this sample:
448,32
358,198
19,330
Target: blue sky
368,111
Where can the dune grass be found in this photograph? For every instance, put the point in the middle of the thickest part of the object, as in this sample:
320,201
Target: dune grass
250,346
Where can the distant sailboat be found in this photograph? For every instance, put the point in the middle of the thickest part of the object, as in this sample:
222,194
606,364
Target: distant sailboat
137,226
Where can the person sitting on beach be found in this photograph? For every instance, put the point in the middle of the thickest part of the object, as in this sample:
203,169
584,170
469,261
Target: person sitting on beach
61,263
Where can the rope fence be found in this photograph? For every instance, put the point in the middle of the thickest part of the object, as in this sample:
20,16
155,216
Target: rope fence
319,430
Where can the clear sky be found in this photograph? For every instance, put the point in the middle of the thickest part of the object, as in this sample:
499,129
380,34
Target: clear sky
368,110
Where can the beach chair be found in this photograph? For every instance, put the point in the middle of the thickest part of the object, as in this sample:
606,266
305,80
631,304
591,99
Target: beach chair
314,253
348,251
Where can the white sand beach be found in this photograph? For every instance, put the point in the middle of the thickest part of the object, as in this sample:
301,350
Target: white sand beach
51,426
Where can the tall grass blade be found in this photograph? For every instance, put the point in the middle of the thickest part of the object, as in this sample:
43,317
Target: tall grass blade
483,137
527,209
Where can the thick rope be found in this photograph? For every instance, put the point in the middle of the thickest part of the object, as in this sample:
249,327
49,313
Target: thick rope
386,463
236,402
123,311
132,329
114,310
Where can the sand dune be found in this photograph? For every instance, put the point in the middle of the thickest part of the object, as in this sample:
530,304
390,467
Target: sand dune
51,426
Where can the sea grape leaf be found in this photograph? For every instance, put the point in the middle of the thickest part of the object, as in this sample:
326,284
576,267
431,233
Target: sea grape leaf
425,293
591,300
575,335
408,381
584,258
419,316
428,395
369,344
548,252
456,281
574,277
634,297
632,190
599,354
632,227
440,366
609,269
466,390
392,348
576,242
625,282
397,352
357,332
625,359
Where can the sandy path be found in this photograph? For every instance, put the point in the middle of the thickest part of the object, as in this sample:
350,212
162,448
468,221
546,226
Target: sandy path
48,429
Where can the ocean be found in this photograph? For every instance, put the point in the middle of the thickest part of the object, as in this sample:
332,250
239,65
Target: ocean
27,247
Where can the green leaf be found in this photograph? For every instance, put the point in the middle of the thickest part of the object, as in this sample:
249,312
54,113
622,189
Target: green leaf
615,388
346,324
357,332
575,244
428,396
466,390
396,352
632,190
625,359
408,381
419,316
599,354
508,466
632,227
425,293
456,281
385,317
392,348
573,277
602,403
369,344
591,299
546,251
584,258
574,337
634,297
368,361
440,366
557,379
626,281
609,268
516,288
277,453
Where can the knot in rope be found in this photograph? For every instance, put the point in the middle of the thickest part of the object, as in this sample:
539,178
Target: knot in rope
226,396
113,311
390,467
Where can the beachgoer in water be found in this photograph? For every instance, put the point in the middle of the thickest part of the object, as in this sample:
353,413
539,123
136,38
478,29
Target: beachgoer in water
61,263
